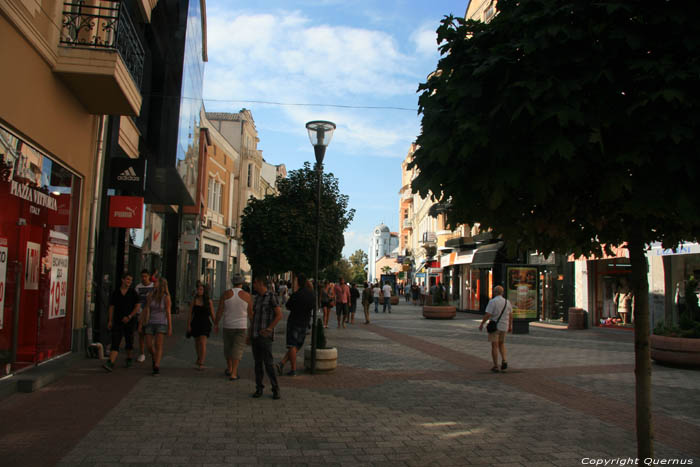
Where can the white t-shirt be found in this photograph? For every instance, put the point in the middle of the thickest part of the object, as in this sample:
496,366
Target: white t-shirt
376,291
235,312
387,290
494,308
422,289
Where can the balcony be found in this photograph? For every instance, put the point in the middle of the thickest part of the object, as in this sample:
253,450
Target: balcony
100,57
429,238
407,224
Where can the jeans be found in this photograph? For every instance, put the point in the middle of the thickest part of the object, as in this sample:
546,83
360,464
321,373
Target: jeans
262,353
376,304
387,302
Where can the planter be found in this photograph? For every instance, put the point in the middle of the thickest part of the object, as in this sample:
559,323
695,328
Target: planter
326,359
394,300
675,350
439,312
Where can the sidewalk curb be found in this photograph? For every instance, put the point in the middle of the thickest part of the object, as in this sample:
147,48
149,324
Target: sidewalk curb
37,377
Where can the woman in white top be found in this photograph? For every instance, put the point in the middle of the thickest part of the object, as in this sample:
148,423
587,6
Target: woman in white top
236,308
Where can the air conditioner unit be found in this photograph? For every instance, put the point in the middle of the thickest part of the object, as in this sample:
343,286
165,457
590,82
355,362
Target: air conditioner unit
230,231
208,224
204,221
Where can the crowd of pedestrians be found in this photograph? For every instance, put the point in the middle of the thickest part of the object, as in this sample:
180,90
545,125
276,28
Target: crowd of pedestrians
250,319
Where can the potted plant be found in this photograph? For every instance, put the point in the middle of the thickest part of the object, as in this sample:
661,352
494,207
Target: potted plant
436,307
326,357
680,344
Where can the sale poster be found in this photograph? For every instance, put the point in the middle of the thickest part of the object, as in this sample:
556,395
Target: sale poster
59,284
31,268
3,276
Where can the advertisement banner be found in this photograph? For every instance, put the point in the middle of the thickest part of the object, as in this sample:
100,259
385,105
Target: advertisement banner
126,211
31,268
59,283
3,276
522,291
156,233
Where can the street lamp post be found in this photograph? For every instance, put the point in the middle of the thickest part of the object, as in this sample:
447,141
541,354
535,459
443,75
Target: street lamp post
320,134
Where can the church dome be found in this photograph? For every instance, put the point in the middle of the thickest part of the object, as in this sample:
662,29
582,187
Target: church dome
381,228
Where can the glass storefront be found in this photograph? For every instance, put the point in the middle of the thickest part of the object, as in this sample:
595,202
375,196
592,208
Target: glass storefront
38,224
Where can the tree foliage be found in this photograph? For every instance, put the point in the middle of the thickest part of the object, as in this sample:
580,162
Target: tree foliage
278,232
570,126
566,125
358,262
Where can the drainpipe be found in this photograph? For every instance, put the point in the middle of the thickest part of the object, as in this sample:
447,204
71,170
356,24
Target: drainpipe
92,236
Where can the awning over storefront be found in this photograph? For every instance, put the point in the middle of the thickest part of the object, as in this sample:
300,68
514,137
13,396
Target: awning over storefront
487,255
454,258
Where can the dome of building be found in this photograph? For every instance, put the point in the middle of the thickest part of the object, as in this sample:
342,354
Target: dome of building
380,229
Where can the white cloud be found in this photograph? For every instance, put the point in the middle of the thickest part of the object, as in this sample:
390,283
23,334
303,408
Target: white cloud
355,241
425,40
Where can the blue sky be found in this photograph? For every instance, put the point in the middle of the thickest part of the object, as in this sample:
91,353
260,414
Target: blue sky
350,53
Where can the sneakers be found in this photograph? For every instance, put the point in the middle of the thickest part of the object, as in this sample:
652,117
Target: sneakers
258,393
141,358
504,366
280,368
109,366
129,363
276,394
292,373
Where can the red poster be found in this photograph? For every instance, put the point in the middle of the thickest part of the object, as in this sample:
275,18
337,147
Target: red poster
126,211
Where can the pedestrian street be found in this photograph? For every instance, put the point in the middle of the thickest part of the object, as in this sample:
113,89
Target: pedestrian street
407,391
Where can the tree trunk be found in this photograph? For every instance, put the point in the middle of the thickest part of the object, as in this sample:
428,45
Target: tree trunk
642,355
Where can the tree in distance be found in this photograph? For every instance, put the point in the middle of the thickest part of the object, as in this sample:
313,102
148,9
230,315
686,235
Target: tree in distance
278,232
571,127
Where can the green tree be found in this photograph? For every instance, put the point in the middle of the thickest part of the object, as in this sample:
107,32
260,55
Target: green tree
278,232
358,262
336,270
570,126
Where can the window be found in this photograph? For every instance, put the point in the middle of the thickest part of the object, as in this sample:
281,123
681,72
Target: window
214,196
250,175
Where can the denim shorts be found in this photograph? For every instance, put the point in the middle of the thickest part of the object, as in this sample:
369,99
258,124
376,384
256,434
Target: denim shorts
295,335
154,329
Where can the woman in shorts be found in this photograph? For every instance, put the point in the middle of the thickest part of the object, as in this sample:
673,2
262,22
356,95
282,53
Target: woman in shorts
157,321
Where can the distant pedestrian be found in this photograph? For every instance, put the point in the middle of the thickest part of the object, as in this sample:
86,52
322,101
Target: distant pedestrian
283,291
407,292
354,295
199,322
155,275
157,322
235,308
144,288
326,301
422,294
121,321
266,315
376,292
498,309
387,296
415,294
366,300
301,304
342,299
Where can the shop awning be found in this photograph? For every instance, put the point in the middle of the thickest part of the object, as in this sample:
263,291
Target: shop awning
457,257
488,255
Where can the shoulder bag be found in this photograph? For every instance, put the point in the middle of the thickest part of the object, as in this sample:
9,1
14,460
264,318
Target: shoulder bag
492,326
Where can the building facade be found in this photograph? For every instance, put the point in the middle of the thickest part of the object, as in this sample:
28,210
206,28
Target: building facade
382,243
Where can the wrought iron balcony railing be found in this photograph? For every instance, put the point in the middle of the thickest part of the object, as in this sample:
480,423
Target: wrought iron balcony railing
99,24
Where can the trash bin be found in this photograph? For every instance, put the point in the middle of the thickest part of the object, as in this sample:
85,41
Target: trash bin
578,318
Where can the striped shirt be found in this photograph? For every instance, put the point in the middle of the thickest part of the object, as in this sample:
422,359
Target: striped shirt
264,313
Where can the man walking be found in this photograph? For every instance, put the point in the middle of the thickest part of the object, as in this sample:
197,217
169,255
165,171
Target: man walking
235,307
143,288
266,315
387,296
123,307
498,309
376,292
366,300
342,299
301,304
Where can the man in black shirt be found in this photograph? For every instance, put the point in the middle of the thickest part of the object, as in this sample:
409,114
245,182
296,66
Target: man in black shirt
123,307
300,305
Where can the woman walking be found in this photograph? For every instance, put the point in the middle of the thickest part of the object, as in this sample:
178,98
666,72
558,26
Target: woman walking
157,322
199,322
327,301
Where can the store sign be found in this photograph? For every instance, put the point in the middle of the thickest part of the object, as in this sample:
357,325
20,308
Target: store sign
189,241
156,233
126,211
59,282
33,195
213,251
3,278
521,290
127,174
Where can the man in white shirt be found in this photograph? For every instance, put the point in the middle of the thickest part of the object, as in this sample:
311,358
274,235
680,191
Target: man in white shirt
498,309
143,289
387,296
376,291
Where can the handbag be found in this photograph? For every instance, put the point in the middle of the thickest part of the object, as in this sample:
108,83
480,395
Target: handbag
492,326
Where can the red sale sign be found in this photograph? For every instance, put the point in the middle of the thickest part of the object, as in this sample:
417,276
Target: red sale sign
126,211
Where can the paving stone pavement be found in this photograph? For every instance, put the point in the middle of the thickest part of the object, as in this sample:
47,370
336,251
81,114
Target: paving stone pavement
408,391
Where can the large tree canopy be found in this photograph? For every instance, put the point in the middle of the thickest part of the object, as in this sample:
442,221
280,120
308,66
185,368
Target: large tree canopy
569,126
278,232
